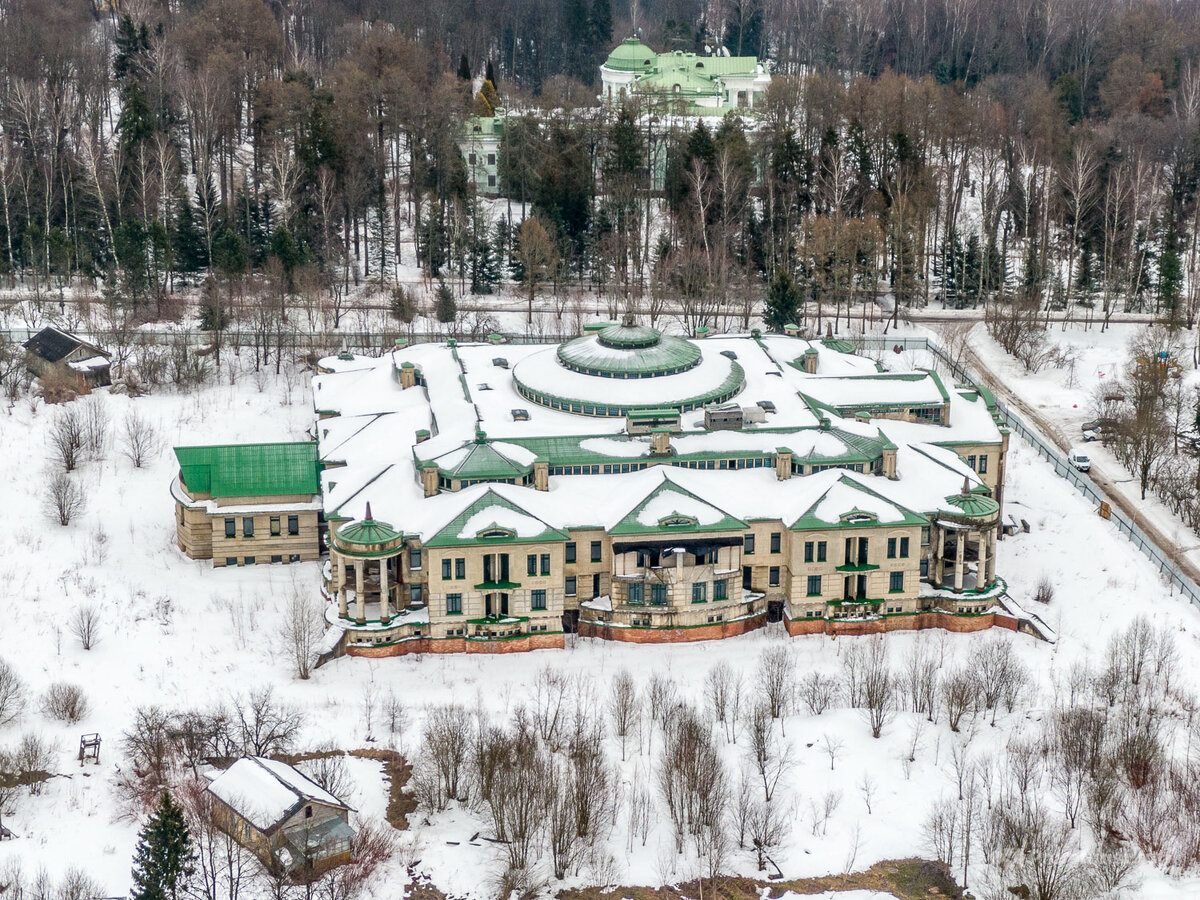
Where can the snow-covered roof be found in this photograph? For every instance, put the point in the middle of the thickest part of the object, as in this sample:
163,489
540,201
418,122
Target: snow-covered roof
266,792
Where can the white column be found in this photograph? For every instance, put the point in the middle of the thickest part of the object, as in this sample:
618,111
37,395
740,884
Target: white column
991,575
981,568
340,581
960,559
360,595
385,615
939,572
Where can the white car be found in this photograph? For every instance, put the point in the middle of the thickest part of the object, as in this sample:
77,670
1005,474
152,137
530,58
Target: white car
1079,458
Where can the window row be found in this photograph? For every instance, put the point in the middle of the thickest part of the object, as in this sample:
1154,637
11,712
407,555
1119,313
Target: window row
293,526
253,560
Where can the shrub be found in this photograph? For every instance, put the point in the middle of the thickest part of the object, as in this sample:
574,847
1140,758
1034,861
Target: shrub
65,702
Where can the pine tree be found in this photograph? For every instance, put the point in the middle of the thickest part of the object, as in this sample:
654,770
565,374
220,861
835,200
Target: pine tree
601,25
490,74
162,861
783,301
445,310
464,68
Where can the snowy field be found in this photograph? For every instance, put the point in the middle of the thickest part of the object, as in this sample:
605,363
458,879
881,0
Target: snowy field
181,634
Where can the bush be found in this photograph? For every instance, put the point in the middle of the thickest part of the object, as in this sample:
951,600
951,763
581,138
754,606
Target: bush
403,305
1044,592
12,694
65,702
64,499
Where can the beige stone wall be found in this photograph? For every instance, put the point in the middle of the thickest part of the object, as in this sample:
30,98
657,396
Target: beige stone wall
584,569
878,580
193,532
263,545
474,599
993,453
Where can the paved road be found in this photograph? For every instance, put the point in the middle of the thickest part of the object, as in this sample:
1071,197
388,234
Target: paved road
1129,506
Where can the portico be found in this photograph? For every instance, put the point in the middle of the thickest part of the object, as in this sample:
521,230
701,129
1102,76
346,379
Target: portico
365,558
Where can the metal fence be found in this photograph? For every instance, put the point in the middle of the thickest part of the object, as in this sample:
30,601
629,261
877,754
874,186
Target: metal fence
1167,568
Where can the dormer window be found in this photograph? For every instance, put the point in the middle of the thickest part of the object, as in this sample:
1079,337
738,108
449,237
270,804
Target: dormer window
495,534
676,522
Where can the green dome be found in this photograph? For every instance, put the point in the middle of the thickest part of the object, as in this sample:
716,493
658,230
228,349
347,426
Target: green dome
631,55
367,532
629,351
974,506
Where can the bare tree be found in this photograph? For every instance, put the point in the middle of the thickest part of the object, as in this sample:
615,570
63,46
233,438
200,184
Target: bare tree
776,678
301,630
139,439
33,758
769,755
67,438
833,747
623,707
95,426
64,498
817,692
264,726
65,701
329,771
959,690
445,745
868,788
869,676
720,684
85,625
12,694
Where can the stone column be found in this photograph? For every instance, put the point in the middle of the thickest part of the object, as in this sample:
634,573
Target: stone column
960,559
360,595
991,540
981,567
385,615
340,581
939,571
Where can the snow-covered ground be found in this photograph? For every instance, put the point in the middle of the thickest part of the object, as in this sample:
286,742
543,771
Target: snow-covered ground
181,634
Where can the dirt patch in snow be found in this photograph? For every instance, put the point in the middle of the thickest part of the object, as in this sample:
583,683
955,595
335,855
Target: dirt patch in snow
397,771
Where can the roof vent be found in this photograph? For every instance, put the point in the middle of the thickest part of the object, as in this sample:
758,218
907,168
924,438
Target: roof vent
520,415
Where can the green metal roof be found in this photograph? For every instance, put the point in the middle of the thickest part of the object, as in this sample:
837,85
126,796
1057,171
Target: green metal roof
448,535
367,531
679,81
631,55
251,470
631,524
482,460
625,350
976,506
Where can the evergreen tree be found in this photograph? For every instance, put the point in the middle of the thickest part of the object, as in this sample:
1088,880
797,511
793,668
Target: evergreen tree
162,861
601,26
783,301
464,68
490,74
1170,275
445,309
191,256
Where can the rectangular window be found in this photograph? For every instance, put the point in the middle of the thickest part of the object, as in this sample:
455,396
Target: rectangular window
814,585
531,564
808,551
491,159
747,577
773,576
924,568
230,528
293,557
748,545
446,569
597,551
414,557
776,540
277,558
971,461
491,181
636,593
537,599
293,525
721,590
274,526
820,551
896,582
983,465
570,589
416,595
545,568
460,568
453,604
470,159
700,592
891,548
248,526
569,551
231,560
904,548
658,595
250,560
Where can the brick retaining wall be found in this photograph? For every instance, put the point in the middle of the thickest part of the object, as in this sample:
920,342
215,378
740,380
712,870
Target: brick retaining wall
918,622
460,645
713,632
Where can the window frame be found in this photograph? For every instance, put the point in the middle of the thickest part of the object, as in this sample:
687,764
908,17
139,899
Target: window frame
773,576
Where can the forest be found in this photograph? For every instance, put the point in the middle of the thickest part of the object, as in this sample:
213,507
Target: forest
1042,153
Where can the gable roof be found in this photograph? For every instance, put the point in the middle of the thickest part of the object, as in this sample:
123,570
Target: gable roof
490,511
480,459
848,497
668,501
266,793
250,470
53,344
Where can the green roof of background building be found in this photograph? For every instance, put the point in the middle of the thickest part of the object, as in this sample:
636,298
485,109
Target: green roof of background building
639,350
251,470
631,55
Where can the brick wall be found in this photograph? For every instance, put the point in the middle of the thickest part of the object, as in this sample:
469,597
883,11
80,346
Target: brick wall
918,622
712,632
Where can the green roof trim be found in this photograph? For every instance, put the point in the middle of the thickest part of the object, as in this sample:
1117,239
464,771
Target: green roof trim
482,461
683,521
975,506
808,520
251,470
448,535
366,532
624,351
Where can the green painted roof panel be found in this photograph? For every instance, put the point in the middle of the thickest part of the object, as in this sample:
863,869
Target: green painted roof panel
251,470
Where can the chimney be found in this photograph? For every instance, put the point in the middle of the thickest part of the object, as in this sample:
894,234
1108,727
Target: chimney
783,463
660,442
429,478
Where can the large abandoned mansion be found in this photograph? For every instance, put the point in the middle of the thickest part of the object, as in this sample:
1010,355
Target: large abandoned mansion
627,484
